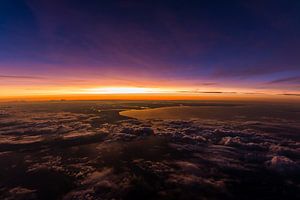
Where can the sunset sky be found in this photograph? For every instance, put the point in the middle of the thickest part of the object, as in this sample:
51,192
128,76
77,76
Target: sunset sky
153,49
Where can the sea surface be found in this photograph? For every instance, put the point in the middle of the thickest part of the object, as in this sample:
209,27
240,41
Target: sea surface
250,111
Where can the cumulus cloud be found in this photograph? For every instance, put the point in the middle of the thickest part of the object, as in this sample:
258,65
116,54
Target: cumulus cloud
111,160
19,193
28,127
282,164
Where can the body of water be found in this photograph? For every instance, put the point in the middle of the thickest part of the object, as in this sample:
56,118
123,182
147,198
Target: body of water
231,112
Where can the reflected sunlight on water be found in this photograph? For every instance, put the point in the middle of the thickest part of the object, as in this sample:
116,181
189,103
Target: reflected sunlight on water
246,112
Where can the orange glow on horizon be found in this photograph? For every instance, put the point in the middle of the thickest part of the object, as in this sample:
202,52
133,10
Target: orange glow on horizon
125,90
139,93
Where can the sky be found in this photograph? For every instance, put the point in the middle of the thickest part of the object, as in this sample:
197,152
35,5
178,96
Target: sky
179,48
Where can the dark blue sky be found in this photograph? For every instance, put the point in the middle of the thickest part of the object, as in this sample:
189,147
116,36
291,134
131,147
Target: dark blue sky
224,43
